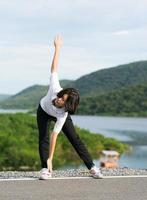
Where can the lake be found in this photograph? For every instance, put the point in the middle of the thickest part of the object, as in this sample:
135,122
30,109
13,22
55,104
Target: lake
131,130
13,110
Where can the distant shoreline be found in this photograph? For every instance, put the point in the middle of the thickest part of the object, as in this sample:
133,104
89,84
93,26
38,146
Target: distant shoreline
4,110
13,110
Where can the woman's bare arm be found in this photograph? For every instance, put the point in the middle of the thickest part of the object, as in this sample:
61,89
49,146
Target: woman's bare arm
53,139
57,43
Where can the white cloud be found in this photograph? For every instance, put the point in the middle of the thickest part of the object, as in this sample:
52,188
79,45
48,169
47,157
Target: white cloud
121,33
97,34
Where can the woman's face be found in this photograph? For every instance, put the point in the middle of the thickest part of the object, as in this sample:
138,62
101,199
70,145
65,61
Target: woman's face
60,101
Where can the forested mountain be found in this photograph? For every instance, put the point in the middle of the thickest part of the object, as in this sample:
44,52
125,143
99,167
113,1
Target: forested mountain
26,99
104,87
130,101
114,78
29,97
4,97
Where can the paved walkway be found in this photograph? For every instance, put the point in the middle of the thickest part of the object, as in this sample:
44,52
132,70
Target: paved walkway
128,188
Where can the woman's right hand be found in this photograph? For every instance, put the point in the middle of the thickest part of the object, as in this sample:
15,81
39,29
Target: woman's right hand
58,41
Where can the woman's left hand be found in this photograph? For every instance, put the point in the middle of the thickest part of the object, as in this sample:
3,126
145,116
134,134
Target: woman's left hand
49,164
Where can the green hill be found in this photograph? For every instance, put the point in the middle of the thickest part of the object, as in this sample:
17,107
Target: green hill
26,99
130,101
19,144
29,97
4,97
114,78
94,85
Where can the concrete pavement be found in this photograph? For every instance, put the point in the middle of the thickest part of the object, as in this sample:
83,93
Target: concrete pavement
75,189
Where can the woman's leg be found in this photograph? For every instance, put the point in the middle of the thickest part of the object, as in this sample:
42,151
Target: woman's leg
43,120
69,131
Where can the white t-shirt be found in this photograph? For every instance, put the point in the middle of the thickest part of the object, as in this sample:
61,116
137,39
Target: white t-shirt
49,108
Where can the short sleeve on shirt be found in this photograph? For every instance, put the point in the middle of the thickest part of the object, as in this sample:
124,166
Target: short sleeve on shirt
59,124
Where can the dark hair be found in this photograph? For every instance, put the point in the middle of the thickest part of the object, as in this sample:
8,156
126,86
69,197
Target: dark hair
72,99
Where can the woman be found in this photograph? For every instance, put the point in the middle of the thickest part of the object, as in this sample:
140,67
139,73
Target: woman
57,105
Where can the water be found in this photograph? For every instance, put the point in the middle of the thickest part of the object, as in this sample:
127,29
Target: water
126,129
13,110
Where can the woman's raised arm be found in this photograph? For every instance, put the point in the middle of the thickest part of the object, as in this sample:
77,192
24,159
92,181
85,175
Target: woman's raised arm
57,43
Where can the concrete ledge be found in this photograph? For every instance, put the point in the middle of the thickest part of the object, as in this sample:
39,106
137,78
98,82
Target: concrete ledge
64,178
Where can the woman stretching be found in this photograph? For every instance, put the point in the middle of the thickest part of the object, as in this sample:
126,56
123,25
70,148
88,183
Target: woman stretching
57,106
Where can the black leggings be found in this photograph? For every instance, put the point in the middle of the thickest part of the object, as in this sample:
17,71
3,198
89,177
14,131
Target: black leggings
68,129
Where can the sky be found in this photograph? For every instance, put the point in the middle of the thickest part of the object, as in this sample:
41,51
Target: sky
96,35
